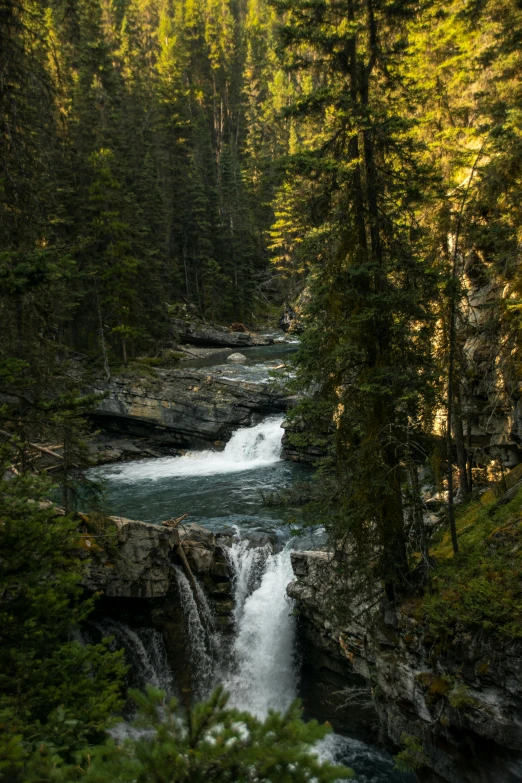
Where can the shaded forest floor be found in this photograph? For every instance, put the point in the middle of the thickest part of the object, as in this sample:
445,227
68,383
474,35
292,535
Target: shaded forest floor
479,591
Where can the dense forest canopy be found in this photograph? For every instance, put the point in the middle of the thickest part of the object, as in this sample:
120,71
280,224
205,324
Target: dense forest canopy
216,160
137,164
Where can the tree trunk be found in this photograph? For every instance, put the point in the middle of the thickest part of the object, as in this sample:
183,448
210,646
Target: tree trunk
102,338
470,455
458,433
449,441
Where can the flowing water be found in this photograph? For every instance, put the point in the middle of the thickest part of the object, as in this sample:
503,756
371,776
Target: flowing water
263,674
226,490
145,653
203,647
261,363
217,489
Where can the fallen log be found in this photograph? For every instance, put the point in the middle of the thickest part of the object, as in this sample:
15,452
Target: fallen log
43,449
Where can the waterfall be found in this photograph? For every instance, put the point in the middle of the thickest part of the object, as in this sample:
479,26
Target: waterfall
256,663
145,652
245,562
200,633
263,672
248,448
259,669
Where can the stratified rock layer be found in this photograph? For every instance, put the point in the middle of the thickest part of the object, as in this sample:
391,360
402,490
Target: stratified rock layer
136,578
138,562
464,705
184,408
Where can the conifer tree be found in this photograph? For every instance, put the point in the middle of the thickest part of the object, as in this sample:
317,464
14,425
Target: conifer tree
366,349
52,688
213,742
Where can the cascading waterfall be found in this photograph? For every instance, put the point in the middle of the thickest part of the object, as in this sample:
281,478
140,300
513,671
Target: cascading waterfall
257,666
246,563
263,674
247,449
145,651
200,633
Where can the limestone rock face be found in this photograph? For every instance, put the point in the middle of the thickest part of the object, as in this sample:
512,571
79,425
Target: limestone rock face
491,393
183,408
137,576
196,333
200,546
487,345
140,566
139,563
464,704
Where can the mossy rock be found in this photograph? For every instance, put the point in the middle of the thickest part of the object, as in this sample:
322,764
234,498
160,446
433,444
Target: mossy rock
435,687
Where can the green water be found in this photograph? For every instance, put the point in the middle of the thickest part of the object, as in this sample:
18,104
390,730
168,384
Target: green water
215,501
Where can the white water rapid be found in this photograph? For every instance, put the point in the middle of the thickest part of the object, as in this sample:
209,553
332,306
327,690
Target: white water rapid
263,673
248,448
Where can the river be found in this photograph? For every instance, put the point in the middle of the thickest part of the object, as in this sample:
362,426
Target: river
227,491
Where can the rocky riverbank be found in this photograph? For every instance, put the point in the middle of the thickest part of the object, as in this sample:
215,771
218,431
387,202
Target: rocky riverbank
202,334
166,410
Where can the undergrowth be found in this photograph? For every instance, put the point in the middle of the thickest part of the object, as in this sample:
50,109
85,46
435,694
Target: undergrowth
480,589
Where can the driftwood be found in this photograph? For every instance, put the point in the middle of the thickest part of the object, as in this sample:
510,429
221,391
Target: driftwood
174,522
42,449
192,582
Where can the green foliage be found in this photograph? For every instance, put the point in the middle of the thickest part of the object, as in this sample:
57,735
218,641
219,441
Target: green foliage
436,687
366,351
128,169
52,688
212,742
480,590
412,758
460,697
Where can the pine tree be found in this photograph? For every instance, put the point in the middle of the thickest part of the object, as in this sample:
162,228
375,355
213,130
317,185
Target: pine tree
366,349
52,688
212,742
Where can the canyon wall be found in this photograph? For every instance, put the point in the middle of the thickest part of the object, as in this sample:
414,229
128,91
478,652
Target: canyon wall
461,706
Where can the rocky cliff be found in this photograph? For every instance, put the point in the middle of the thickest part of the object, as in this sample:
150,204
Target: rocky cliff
133,559
460,709
134,569
490,378
182,408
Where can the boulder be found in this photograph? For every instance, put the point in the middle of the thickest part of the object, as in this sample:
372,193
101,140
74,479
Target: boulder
136,565
240,358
